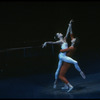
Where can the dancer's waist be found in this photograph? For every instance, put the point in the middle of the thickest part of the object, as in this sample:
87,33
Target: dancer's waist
64,53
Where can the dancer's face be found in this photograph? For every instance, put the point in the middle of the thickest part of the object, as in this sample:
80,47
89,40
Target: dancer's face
59,35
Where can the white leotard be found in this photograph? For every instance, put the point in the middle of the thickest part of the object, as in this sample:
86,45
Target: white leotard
64,45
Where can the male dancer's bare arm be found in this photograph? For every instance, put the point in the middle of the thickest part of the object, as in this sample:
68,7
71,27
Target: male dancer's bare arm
68,49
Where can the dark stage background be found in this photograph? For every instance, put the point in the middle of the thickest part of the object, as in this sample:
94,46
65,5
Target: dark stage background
30,24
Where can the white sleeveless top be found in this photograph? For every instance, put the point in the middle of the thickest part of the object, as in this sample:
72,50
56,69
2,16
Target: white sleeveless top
64,46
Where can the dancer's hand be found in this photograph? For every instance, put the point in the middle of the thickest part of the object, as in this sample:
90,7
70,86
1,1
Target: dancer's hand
45,43
83,75
70,22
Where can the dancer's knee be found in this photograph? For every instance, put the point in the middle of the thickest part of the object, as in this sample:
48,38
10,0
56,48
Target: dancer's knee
75,62
60,76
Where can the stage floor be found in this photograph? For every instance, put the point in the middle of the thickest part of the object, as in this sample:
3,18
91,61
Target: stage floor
41,86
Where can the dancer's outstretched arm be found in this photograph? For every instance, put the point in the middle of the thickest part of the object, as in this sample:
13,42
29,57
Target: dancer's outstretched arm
51,42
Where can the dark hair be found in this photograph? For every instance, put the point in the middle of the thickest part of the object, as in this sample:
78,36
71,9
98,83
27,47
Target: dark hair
56,37
77,42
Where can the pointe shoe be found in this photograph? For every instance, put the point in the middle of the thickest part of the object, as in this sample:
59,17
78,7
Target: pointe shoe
83,75
54,86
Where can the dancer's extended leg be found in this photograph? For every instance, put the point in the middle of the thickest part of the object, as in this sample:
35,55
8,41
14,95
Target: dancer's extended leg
72,61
